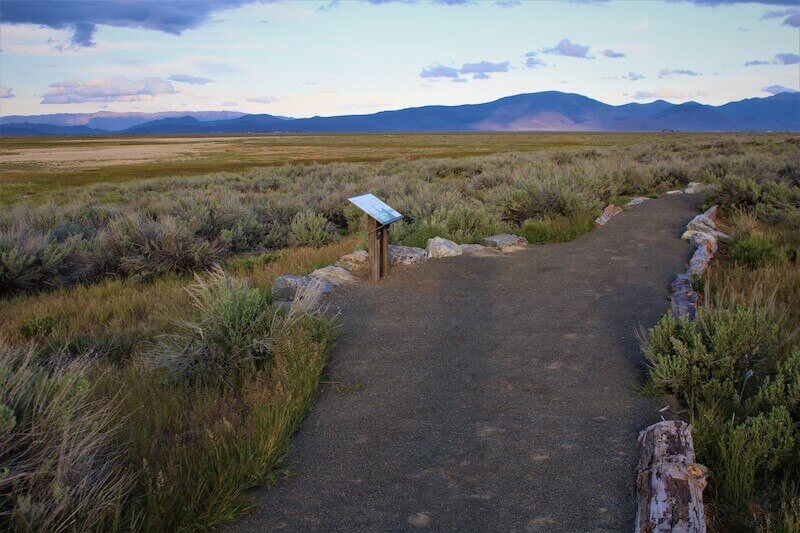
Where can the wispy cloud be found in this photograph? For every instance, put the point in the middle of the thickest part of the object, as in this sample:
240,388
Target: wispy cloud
229,103
263,99
439,71
612,54
532,61
778,89
666,73
188,78
116,89
565,47
660,93
787,58
6,92
632,76
791,16
479,71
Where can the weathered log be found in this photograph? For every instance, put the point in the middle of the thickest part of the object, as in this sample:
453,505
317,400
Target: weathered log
669,484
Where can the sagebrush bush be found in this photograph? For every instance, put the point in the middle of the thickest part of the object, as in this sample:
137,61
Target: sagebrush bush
59,468
309,228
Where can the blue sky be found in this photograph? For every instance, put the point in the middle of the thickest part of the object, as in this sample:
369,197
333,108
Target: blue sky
327,58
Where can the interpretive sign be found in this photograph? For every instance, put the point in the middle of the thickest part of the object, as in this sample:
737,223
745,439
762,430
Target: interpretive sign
379,216
375,208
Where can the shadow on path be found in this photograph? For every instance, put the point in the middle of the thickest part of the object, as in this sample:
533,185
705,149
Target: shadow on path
488,393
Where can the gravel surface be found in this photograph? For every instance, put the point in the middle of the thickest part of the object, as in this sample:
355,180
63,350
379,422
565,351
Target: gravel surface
488,393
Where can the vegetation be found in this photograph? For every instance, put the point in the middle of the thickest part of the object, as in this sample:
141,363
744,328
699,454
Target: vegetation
179,400
737,368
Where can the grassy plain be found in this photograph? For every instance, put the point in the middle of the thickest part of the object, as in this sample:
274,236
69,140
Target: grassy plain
30,167
97,253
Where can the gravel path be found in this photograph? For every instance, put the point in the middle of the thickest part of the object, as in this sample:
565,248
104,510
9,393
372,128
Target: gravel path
491,394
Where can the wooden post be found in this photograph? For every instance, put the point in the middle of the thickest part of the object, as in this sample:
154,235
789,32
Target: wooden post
374,250
384,251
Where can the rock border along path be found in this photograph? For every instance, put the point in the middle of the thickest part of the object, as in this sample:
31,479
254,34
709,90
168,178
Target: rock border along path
488,393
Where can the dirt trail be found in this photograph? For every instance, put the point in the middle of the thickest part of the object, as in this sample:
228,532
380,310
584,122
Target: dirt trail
490,394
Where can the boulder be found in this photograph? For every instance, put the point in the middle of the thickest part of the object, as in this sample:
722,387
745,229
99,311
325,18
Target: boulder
636,200
286,287
705,223
611,210
477,249
439,247
683,297
700,260
504,241
406,255
694,187
355,261
333,274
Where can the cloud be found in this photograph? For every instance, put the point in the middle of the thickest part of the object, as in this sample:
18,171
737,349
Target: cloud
188,78
715,3
787,59
780,59
439,71
532,61
7,92
791,16
83,16
632,76
116,89
565,47
778,89
507,3
482,69
665,72
263,99
660,93
612,54
229,103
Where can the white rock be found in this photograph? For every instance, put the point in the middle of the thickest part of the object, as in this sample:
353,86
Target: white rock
674,192
406,255
636,200
334,274
504,241
611,210
439,247
694,187
354,261
286,287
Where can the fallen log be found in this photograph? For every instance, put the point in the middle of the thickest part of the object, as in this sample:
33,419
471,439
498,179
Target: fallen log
669,484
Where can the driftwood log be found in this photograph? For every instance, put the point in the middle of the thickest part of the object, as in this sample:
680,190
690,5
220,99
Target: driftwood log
669,484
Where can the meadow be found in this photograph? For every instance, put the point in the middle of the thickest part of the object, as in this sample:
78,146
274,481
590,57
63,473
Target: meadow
140,346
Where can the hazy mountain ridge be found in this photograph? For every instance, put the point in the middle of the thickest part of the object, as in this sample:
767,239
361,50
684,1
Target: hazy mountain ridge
543,111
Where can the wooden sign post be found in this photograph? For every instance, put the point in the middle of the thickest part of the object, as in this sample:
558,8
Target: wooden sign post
379,216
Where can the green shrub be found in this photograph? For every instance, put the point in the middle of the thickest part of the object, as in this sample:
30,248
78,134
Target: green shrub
535,199
310,229
557,229
754,251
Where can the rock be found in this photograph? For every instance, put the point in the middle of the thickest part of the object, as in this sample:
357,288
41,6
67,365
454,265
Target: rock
694,187
439,247
705,223
636,200
674,192
700,260
683,297
282,305
477,249
354,261
286,287
406,255
703,239
334,274
611,210
504,241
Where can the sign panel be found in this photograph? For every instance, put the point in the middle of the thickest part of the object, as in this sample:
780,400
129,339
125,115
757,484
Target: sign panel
376,208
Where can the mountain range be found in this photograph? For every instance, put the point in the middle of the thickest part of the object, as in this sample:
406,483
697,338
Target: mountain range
543,111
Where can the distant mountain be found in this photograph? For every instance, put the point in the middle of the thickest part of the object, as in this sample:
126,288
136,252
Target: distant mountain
544,111
26,129
113,121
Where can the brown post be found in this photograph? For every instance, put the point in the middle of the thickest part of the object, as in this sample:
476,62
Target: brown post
374,250
384,251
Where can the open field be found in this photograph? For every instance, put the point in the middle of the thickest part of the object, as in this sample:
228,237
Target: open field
95,264
30,166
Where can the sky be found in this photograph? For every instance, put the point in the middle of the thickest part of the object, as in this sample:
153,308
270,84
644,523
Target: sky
307,58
